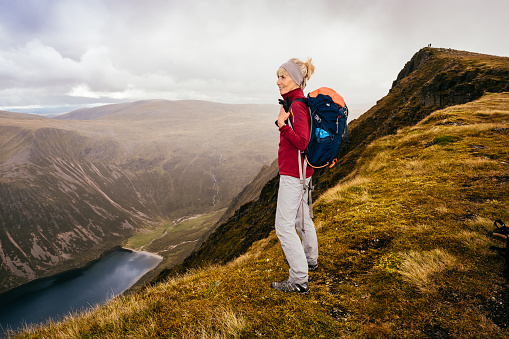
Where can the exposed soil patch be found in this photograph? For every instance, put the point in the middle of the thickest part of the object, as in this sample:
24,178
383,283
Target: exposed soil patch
467,217
338,313
476,199
436,332
371,244
497,308
455,123
501,129
335,282
500,179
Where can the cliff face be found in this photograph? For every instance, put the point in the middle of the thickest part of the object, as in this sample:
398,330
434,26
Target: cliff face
431,80
463,76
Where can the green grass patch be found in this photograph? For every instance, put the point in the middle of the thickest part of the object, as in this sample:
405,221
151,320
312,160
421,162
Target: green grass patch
186,228
446,139
145,236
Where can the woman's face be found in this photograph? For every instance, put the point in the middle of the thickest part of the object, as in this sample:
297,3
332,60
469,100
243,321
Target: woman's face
285,82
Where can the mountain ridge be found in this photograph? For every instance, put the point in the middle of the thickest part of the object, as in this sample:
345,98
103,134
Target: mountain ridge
469,74
159,109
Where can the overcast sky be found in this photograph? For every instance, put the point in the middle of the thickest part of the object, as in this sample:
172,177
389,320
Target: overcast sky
56,53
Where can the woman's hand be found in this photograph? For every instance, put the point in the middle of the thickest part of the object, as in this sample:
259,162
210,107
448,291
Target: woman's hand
282,117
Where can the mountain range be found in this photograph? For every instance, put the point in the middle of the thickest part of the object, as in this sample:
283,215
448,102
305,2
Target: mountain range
74,186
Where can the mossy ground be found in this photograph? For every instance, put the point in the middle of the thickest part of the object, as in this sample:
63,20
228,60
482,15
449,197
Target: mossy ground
405,252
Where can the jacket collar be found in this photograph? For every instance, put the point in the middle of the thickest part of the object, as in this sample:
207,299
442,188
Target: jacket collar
296,93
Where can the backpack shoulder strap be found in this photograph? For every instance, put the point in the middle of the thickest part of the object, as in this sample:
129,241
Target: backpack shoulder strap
304,100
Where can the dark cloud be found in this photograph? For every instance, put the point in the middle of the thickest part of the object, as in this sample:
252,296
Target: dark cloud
24,18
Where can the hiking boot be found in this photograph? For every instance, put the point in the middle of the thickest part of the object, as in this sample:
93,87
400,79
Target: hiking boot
289,287
312,267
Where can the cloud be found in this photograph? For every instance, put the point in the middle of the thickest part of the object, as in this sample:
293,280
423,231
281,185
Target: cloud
67,52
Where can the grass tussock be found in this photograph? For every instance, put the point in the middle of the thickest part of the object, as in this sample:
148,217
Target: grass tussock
405,252
419,267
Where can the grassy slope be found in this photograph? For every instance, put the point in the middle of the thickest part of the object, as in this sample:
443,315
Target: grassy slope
404,251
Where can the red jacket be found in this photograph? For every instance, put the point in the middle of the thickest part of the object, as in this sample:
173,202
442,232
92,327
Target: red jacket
292,139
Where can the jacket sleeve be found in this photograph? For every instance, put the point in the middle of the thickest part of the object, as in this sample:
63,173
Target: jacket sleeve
299,135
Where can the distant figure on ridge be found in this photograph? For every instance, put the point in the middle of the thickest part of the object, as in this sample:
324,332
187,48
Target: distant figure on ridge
293,123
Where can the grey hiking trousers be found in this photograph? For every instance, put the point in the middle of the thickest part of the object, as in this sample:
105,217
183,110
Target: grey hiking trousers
299,254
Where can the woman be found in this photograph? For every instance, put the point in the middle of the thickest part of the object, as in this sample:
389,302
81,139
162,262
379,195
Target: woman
301,256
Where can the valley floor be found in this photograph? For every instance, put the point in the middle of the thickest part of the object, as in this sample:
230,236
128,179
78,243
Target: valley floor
174,241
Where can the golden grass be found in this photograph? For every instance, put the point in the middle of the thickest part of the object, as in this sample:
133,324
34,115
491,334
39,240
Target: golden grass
340,191
229,323
419,267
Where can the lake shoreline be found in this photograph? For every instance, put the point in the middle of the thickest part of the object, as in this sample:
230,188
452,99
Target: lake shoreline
111,274
73,272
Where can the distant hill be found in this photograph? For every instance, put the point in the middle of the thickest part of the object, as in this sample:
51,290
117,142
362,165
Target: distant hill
75,186
97,112
17,116
431,80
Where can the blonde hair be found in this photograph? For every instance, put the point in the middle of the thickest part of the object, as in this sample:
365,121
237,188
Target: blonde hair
306,68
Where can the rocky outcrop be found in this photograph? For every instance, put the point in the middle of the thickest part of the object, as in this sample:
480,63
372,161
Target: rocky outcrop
460,78
454,87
